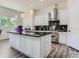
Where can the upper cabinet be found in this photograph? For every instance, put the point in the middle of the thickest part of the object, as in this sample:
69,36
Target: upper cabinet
63,16
41,19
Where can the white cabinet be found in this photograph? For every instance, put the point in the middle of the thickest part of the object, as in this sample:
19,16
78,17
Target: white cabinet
22,44
63,16
37,20
36,47
41,19
14,41
30,45
17,42
26,45
48,44
11,41
63,37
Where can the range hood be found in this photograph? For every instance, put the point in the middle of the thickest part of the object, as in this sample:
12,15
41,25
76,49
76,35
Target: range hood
55,12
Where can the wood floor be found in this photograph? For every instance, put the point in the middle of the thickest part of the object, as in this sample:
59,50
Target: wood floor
58,51
63,51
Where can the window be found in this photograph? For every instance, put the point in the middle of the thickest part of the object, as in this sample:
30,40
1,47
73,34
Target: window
7,21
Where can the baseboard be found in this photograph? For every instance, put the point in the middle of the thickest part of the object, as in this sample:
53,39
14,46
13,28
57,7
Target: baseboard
73,48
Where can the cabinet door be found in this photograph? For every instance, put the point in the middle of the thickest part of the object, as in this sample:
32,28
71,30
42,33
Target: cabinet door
45,45
11,40
41,19
14,40
63,37
48,44
26,45
36,47
44,20
22,44
37,20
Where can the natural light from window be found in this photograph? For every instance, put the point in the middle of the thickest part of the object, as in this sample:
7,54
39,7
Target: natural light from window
7,21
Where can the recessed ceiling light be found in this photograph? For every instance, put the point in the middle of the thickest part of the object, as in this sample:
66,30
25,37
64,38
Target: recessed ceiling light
31,12
41,0
22,15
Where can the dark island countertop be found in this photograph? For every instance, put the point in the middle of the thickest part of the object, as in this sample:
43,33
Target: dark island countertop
33,34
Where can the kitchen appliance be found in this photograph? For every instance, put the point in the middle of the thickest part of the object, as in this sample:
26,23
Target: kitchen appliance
63,28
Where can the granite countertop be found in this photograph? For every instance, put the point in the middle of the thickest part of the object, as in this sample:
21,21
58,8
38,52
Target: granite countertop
34,34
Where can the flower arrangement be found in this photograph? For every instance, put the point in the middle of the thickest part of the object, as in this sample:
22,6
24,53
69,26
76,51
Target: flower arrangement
27,30
19,29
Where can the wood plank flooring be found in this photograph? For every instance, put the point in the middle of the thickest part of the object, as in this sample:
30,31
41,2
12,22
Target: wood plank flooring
58,51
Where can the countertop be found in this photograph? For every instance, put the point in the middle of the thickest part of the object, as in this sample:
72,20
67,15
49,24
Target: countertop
33,33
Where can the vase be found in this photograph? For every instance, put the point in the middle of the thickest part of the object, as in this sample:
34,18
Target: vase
20,32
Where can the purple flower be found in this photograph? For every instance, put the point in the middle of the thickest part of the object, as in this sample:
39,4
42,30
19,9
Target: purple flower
19,29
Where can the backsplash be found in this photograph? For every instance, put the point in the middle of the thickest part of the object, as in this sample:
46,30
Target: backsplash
54,22
43,27
63,28
37,28
53,26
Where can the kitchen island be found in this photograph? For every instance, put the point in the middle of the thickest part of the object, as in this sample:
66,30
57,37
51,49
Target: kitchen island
33,44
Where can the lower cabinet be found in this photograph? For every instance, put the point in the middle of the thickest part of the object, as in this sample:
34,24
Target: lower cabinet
63,37
15,41
31,46
36,47
26,45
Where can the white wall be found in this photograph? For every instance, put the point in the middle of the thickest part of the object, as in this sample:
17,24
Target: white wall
12,4
8,12
73,13
19,20
27,20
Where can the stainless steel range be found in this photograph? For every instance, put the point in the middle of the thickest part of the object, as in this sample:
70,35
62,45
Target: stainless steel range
55,37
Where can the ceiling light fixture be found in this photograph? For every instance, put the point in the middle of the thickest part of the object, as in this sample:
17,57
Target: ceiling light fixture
31,12
22,15
41,0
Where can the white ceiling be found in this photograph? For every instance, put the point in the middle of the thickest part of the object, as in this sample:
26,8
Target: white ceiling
8,12
23,5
